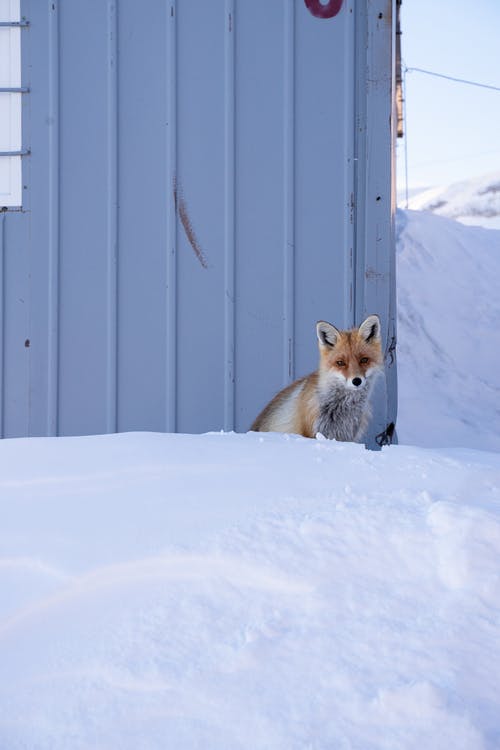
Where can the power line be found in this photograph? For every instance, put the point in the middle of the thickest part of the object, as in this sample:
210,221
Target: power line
451,78
405,70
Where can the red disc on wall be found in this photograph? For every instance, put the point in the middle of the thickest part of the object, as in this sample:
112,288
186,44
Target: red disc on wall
324,10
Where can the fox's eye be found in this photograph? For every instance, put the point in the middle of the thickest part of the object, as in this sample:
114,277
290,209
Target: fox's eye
364,361
340,363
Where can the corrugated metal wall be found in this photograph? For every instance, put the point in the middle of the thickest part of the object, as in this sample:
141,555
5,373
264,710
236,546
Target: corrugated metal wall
206,179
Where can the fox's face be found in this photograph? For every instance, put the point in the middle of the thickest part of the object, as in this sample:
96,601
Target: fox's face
350,358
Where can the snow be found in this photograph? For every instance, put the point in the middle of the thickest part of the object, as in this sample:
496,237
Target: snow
247,591
269,592
448,332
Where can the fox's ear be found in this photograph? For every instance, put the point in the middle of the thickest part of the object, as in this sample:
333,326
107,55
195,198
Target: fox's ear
370,328
327,334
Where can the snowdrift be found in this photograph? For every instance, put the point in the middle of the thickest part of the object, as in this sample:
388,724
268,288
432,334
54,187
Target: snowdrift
448,332
247,591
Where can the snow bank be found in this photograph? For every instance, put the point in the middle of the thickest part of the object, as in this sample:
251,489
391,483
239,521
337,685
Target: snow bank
247,591
448,332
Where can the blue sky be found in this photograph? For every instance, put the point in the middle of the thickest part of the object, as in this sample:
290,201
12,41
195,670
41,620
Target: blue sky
453,130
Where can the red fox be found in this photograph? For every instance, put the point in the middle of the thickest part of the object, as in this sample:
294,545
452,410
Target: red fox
333,400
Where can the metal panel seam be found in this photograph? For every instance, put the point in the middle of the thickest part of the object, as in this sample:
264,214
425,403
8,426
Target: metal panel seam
54,227
229,212
359,197
171,303
350,133
112,220
289,194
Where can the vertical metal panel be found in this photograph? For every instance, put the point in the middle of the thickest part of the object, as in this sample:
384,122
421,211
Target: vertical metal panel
39,223
201,175
15,326
83,218
211,179
375,271
145,193
260,345
324,175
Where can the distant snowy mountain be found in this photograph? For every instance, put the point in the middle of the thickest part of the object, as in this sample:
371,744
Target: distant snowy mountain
475,201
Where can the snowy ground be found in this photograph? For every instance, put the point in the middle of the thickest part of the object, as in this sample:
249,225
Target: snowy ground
248,591
265,592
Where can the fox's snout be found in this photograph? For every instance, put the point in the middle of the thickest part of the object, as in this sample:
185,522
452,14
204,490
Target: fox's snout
351,382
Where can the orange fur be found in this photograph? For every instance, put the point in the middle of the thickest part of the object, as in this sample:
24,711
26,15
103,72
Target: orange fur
344,356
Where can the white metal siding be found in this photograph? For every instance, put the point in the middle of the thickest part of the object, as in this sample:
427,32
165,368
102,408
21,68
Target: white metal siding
199,193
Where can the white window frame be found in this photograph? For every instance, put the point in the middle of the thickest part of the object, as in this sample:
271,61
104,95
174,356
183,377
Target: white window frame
10,106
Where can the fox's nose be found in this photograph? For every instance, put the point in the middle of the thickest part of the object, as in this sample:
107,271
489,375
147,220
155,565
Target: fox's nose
356,381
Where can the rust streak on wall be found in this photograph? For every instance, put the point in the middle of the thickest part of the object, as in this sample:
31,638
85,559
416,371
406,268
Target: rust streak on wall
182,211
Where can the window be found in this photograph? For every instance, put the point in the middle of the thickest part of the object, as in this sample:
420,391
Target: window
10,105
